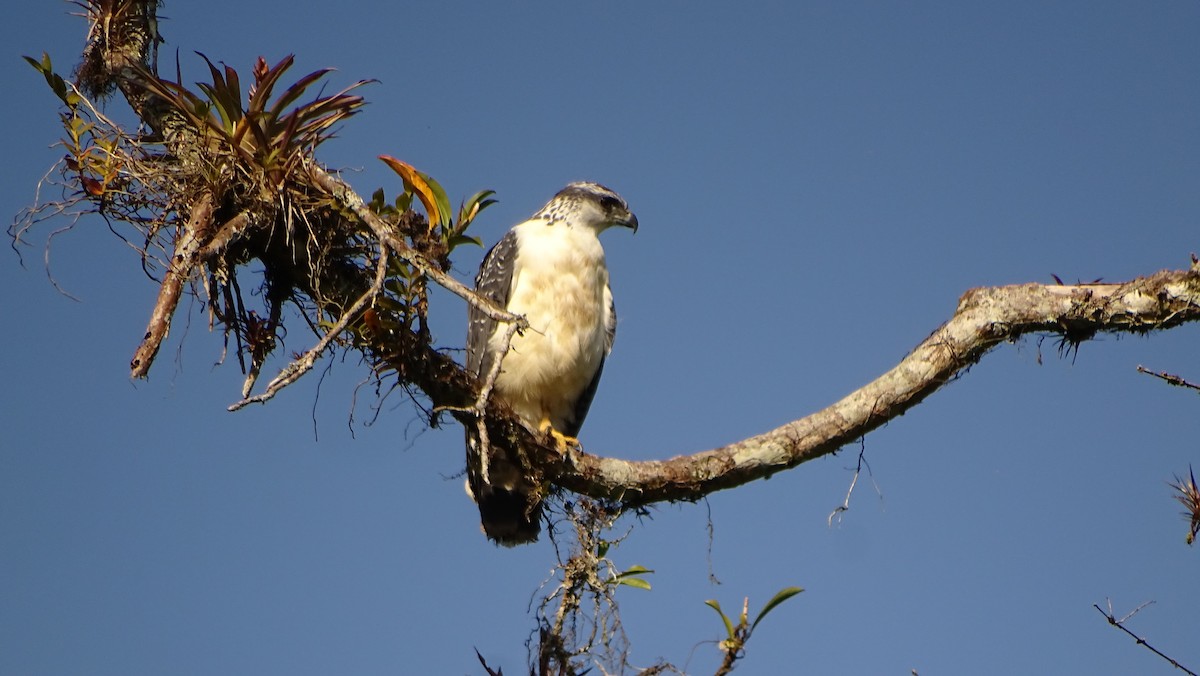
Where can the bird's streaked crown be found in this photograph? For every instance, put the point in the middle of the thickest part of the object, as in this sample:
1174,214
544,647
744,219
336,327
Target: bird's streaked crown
587,203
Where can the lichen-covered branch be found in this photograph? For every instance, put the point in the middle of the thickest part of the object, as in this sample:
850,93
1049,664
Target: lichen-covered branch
985,318
182,264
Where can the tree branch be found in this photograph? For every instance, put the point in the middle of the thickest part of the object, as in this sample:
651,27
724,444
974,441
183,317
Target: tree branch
349,199
1120,624
1169,378
985,318
183,261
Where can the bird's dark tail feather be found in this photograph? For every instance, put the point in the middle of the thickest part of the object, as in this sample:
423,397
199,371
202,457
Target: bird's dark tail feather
508,518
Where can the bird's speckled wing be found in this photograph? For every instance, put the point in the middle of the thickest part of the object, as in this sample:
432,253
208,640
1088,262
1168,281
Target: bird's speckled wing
493,282
508,514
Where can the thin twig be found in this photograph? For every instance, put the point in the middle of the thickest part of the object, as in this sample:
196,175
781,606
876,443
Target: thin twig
226,234
479,409
1119,624
1169,377
346,195
862,461
485,394
292,372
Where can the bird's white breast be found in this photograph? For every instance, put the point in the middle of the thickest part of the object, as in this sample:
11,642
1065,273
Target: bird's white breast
560,284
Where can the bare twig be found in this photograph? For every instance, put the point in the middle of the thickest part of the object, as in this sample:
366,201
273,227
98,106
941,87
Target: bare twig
585,621
1171,379
345,195
1119,624
485,397
297,368
226,234
862,462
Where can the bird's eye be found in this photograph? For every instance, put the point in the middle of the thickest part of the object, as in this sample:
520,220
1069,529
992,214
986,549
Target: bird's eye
609,203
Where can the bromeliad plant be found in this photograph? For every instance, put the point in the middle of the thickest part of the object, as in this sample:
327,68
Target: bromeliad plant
1187,493
264,131
251,154
226,191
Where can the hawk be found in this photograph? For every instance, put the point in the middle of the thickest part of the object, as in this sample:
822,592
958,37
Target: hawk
551,270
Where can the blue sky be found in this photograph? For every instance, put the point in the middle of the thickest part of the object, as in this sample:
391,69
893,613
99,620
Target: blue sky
816,183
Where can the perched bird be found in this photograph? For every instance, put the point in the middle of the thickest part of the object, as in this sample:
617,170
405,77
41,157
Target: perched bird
551,270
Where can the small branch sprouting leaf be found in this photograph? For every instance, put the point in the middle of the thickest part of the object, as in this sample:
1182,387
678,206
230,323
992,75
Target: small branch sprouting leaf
780,596
632,577
715,605
736,635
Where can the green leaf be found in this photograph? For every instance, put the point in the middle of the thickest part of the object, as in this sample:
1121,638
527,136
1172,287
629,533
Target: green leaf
635,582
39,66
194,108
385,303
712,603
227,116
781,596
443,202
466,239
265,79
57,84
78,127
297,88
602,549
472,207
225,93
630,577
42,66
401,270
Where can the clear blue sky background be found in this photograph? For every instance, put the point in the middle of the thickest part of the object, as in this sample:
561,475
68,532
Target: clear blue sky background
817,184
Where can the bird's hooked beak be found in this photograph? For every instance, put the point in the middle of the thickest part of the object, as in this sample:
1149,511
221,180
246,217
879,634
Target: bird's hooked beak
627,220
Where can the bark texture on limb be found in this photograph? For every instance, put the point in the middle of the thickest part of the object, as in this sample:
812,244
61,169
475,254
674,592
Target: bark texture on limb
985,318
181,267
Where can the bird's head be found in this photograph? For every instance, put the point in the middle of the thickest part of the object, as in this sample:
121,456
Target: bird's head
589,205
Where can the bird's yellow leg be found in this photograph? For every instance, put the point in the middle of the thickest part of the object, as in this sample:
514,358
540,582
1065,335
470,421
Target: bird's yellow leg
561,441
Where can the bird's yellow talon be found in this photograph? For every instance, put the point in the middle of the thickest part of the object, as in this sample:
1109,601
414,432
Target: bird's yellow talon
563,442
